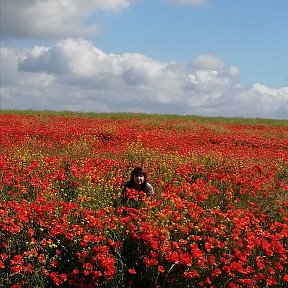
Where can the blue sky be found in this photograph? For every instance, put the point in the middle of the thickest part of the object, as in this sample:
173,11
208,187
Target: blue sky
202,57
250,34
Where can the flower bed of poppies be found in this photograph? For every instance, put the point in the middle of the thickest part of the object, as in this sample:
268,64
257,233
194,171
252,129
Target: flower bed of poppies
219,217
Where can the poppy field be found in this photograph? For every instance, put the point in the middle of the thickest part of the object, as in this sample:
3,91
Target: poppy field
219,216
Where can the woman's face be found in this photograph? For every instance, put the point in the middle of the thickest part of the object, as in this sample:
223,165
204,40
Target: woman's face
138,179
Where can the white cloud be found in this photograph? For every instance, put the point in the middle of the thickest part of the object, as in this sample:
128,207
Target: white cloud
190,2
208,61
52,18
78,58
271,102
75,75
234,71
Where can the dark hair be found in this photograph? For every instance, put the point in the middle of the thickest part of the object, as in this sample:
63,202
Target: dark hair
139,171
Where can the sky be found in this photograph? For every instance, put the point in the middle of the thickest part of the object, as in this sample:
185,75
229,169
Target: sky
197,57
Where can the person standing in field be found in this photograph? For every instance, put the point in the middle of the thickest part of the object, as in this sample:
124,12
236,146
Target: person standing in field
137,182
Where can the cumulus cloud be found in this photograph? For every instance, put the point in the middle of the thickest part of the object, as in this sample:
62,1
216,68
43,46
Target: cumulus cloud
75,75
53,18
271,102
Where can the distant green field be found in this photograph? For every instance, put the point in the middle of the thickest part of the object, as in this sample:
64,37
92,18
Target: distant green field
124,115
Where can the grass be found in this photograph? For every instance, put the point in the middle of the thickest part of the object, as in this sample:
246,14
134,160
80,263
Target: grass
124,115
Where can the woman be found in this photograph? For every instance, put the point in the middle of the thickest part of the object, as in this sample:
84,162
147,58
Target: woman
138,182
